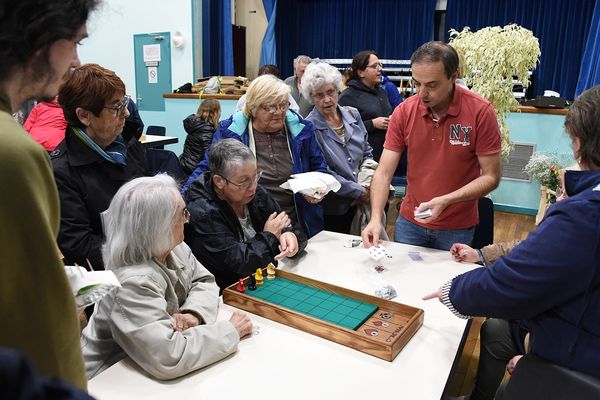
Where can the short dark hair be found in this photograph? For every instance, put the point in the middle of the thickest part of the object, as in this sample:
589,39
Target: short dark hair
223,156
359,62
582,122
28,26
269,69
432,52
90,87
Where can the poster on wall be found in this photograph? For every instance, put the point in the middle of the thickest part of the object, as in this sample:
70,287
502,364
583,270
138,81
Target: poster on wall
151,52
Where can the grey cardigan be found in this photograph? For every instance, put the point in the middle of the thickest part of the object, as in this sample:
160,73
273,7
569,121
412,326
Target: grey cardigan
135,320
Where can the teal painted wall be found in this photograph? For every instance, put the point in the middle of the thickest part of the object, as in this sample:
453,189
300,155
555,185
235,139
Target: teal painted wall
548,134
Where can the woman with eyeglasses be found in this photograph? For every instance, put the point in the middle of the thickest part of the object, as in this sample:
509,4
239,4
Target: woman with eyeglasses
236,226
284,144
343,139
164,314
93,161
365,93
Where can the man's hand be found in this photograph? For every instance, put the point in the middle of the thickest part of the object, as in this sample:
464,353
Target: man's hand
381,122
288,245
276,223
183,321
462,252
437,205
370,235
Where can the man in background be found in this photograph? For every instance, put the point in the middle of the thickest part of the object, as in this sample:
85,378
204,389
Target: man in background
38,48
295,81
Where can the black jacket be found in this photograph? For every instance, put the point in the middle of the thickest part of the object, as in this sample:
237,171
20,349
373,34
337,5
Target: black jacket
216,238
370,103
200,134
86,184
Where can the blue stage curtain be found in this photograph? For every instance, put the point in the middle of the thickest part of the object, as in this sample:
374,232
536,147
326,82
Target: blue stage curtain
342,28
589,75
217,40
268,50
560,25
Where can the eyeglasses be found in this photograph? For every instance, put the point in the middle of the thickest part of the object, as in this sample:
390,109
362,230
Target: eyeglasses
121,106
321,96
186,215
273,108
248,183
376,65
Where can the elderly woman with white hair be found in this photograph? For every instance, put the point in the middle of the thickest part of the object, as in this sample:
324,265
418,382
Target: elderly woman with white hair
284,144
343,139
164,315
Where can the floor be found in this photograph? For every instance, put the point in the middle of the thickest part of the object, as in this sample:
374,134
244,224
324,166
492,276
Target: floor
507,226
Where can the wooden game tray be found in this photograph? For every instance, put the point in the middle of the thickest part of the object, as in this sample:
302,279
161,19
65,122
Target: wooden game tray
383,335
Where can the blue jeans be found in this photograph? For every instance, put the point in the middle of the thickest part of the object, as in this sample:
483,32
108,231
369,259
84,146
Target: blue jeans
409,233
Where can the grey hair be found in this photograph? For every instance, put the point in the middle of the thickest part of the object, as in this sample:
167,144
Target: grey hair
318,74
301,59
228,154
139,221
266,89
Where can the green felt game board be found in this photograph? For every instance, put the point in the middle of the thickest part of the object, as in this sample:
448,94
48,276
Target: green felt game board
339,310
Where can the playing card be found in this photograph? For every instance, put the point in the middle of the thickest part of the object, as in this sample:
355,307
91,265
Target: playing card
377,252
415,256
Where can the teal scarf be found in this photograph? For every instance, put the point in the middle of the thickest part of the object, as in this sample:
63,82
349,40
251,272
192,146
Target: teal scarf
116,152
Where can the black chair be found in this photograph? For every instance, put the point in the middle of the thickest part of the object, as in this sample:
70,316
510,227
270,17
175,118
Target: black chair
164,161
484,231
156,131
535,378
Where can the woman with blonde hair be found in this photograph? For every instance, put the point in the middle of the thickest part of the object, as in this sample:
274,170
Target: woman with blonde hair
284,144
200,128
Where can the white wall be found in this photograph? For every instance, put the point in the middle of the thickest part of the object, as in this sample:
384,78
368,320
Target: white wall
251,14
111,30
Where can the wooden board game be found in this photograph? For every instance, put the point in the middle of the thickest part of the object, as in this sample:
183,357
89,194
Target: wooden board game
366,323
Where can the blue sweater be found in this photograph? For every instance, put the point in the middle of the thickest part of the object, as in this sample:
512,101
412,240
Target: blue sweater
306,157
550,281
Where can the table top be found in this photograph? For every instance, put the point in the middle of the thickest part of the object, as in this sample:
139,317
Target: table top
157,140
283,362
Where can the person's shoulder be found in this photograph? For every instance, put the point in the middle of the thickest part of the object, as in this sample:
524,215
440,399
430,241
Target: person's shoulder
290,80
136,276
472,98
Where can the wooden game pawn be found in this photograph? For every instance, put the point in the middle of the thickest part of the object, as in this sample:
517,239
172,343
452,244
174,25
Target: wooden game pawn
259,277
270,271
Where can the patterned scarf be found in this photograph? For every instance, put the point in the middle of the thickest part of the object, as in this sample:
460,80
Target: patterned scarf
116,152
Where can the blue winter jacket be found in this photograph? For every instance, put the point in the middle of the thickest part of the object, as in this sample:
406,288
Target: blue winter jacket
550,281
306,156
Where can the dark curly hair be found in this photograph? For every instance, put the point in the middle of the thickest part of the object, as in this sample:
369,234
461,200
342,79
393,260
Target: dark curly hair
30,26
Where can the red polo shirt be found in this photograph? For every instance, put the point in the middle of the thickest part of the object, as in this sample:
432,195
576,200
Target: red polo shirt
442,156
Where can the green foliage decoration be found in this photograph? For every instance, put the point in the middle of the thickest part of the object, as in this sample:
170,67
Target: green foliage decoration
492,56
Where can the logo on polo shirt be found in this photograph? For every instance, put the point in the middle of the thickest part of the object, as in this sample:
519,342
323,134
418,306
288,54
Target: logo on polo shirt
460,135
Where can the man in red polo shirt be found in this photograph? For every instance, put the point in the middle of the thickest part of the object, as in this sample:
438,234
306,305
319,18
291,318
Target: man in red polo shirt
454,155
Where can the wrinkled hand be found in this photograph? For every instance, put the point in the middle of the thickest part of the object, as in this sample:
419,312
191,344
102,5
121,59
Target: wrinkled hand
381,122
462,252
276,223
242,323
512,364
183,321
370,235
434,295
311,200
288,245
437,205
